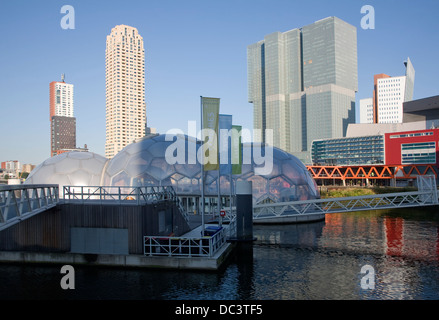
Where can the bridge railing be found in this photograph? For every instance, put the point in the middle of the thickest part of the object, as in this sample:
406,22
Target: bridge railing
118,194
425,196
18,202
121,195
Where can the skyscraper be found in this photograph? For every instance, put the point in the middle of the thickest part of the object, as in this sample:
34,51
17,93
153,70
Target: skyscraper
125,89
62,121
302,84
389,94
61,98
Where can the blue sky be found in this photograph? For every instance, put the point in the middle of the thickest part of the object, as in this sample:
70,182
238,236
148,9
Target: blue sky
193,48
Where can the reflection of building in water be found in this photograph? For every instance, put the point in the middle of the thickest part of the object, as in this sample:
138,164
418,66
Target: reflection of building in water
393,228
381,234
389,244
404,238
364,231
292,235
412,241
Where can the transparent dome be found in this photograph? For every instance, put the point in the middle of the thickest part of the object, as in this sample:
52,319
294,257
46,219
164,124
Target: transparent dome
144,164
73,168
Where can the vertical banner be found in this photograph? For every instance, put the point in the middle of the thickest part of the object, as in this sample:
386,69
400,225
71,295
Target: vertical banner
225,127
210,110
236,150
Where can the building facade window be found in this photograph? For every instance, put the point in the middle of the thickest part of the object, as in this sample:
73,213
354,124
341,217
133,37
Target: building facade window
418,153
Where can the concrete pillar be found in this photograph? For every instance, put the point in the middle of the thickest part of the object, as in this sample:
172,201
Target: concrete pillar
244,211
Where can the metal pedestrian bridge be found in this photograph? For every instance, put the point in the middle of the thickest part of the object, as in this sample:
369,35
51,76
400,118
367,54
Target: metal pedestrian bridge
427,195
18,202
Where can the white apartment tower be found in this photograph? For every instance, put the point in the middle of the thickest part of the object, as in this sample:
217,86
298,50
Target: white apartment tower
62,121
61,98
366,110
389,94
125,89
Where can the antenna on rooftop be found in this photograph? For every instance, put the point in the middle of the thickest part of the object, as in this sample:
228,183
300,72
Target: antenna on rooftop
62,77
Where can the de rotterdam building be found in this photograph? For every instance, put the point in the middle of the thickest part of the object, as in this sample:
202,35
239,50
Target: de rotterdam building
302,84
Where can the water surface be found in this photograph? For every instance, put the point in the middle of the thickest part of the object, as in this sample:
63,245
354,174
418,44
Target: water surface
321,260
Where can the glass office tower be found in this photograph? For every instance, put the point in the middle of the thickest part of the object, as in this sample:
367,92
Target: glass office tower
302,84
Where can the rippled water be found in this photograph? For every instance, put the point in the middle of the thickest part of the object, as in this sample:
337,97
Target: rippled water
321,260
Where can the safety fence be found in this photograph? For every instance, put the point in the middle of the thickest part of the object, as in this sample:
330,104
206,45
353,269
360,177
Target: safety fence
121,195
426,195
18,202
118,194
203,246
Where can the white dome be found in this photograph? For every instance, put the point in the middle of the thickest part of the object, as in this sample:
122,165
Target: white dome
144,164
73,168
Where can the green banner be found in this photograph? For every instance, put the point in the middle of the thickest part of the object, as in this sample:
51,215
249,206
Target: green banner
210,109
236,150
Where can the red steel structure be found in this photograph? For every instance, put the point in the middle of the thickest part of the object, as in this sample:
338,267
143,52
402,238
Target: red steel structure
407,155
380,172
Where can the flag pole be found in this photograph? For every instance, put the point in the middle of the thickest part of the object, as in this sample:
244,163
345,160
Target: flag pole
202,168
218,148
219,197
231,191
231,171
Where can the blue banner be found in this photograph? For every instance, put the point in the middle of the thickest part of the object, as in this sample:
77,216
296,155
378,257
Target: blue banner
225,141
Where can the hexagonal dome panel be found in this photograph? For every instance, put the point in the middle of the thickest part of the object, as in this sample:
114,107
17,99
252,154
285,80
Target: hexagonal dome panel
147,162
155,161
73,168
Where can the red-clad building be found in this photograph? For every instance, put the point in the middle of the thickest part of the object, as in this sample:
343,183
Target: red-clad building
402,155
412,147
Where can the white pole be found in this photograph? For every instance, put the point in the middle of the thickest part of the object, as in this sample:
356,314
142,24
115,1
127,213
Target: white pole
219,171
219,195
231,190
202,168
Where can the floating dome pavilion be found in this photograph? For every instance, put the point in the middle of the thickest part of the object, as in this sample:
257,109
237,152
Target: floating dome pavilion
75,168
144,163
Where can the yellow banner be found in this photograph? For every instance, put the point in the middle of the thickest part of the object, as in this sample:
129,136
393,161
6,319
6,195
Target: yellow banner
210,109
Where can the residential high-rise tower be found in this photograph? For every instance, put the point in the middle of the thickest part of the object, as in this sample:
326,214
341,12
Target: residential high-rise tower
389,95
62,121
302,84
125,89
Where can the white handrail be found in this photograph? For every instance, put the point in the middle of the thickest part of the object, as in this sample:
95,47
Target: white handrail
18,202
426,195
121,195
205,246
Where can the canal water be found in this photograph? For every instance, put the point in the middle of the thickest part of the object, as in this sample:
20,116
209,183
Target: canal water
369,255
